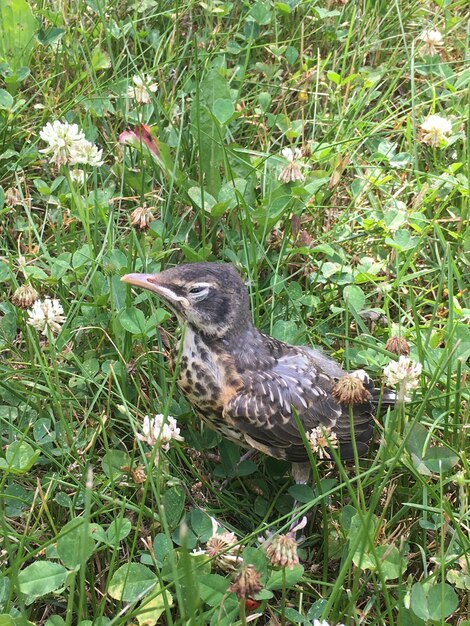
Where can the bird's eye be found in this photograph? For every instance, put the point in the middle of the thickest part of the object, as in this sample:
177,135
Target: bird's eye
197,289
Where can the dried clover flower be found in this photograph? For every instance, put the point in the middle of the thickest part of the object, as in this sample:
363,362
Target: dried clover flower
12,197
398,345
142,217
25,296
350,389
432,40
291,172
247,583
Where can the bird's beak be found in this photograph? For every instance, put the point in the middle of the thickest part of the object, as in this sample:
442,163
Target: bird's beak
153,283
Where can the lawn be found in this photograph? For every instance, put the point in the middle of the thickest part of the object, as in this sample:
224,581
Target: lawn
319,146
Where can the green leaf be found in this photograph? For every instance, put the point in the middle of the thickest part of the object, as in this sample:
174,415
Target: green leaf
402,240
55,620
4,272
201,199
97,532
75,545
113,462
213,588
433,602
82,257
264,98
354,297
440,459
18,620
428,459
6,100
100,60
131,582
392,564
32,271
201,524
49,36
162,546
286,330
292,577
5,586
41,578
294,617
223,110
361,557
256,557
261,13
334,77
459,579
133,320
19,457
17,29
118,530
173,502
317,608
283,7
152,608
302,493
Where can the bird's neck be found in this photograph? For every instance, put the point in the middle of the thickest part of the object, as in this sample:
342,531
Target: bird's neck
246,346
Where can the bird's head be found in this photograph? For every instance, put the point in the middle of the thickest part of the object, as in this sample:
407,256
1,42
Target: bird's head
210,297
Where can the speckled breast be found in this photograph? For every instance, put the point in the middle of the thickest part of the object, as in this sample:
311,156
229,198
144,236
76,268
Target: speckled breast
208,382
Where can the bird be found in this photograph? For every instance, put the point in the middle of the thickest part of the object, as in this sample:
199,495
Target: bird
253,388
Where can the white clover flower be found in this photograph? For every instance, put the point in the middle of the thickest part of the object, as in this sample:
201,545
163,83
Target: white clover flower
46,315
403,373
432,40
68,146
159,432
320,439
142,89
64,141
291,155
291,172
435,130
90,155
316,622
78,176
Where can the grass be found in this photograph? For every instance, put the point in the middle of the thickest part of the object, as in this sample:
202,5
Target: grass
97,528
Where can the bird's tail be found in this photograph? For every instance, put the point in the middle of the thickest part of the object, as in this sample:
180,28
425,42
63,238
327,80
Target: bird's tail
385,397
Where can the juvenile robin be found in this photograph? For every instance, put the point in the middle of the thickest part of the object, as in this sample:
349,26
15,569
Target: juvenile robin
249,386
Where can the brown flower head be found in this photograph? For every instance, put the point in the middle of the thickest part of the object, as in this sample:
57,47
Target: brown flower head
282,551
142,217
25,296
291,172
12,197
247,583
432,40
398,345
350,390
138,474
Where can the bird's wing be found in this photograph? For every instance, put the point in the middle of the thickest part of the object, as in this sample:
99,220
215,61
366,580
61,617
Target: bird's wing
263,410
